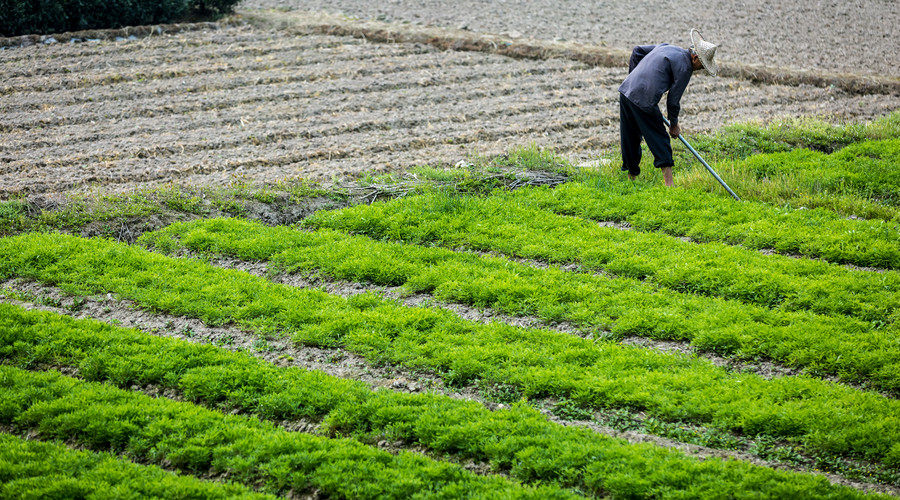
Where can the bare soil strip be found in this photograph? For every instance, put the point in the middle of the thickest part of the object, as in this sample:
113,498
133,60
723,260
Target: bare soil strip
318,106
367,113
339,363
821,33
275,71
223,139
363,144
281,82
240,107
457,39
109,64
36,86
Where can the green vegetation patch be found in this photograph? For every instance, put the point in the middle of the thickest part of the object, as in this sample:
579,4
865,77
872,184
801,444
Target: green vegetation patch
706,217
120,216
620,305
743,140
34,469
504,224
849,169
201,442
519,440
869,169
846,184
825,417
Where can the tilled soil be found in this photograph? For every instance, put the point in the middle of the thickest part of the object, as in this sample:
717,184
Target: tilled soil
847,37
252,104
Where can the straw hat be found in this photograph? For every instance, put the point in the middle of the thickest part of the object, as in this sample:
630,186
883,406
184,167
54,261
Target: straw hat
705,51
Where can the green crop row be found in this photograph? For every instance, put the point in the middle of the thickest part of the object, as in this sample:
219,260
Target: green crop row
797,338
867,169
504,223
741,140
844,183
707,217
34,469
727,149
200,441
825,417
518,441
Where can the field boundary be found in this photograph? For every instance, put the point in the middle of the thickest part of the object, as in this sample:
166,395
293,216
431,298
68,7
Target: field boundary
456,39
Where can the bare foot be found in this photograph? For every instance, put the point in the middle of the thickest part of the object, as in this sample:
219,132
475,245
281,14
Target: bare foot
667,176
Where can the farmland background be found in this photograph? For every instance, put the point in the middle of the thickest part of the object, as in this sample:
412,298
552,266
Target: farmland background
383,249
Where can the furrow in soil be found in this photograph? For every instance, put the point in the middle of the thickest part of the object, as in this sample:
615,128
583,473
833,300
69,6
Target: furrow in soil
238,107
151,55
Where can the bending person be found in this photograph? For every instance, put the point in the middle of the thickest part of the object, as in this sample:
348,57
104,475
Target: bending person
652,71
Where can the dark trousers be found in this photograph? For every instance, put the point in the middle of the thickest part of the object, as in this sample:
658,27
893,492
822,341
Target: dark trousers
634,123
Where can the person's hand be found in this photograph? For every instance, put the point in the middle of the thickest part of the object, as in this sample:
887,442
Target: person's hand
675,130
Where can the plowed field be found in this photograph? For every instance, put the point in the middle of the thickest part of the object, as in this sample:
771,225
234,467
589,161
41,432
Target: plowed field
263,105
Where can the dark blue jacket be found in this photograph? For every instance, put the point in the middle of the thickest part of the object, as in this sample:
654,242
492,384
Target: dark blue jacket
653,70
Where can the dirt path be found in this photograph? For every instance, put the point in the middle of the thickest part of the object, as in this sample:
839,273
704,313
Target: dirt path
848,37
255,104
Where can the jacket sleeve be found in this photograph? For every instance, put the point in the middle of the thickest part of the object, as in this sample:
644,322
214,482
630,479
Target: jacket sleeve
637,54
673,100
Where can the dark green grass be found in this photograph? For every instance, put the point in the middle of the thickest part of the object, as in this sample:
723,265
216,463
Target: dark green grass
199,441
34,469
620,305
825,417
518,441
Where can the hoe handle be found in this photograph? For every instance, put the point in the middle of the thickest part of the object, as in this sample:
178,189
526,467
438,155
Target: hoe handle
713,172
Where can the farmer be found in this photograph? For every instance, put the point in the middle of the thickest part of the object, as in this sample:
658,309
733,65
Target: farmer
653,70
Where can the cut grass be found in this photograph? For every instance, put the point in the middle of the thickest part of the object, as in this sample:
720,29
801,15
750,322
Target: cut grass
800,339
33,469
518,441
825,417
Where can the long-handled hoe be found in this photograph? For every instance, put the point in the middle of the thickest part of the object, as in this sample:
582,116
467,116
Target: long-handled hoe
713,172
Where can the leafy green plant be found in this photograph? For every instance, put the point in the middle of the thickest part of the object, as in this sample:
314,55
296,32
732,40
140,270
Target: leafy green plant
590,301
34,469
519,440
568,409
823,416
202,442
